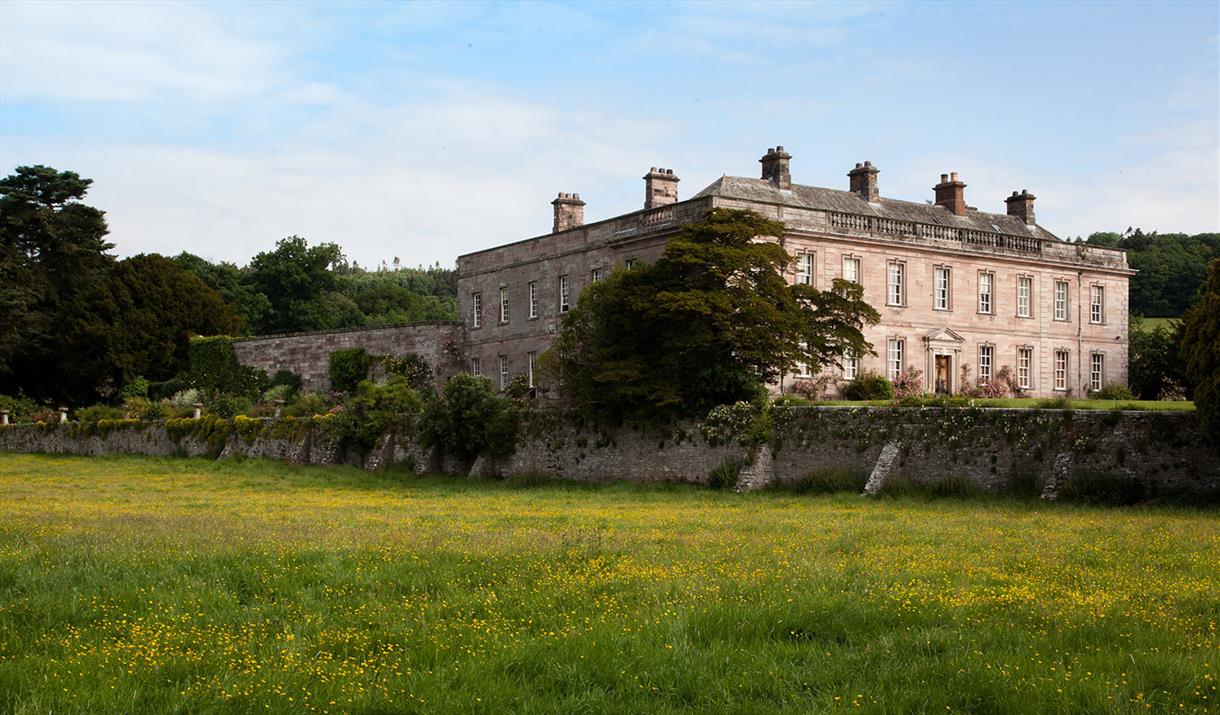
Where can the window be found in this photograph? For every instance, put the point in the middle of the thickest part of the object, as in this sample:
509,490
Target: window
940,288
531,359
851,365
1061,300
1025,286
1025,358
801,368
503,305
565,294
804,269
597,274
896,293
476,366
851,269
1097,301
503,372
985,286
533,299
1097,371
629,263
476,309
1061,370
894,358
986,353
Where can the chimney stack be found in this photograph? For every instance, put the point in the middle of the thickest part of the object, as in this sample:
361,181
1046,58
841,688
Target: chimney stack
951,194
775,167
1021,205
660,188
569,212
864,182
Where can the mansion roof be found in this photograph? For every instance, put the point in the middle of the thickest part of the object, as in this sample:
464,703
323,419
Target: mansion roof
848,202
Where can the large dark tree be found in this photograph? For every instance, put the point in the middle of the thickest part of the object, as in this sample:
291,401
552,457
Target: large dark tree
707,324
1201,351
52,251
232,283
139,320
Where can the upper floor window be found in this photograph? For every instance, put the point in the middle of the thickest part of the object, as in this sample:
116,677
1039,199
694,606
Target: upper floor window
986,292
893,357
1025,359
503,305
1061,300
940,287
565,294
1061,369
1025,287
476,309
804,269
1097,371
1097,304
896,289
598,274
533,299
851,269
986,360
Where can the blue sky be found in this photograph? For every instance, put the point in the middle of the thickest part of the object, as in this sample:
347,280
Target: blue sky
422,131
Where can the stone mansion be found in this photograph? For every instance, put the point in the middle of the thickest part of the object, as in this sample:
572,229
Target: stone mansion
962,293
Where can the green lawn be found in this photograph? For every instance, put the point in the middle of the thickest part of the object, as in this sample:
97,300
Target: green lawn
1150,324
134,585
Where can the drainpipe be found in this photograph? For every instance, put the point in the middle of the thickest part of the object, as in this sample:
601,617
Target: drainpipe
1080,331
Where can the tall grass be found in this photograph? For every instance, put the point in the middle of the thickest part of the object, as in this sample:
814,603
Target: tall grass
132,585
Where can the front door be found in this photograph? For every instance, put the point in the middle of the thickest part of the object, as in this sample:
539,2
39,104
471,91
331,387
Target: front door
942,374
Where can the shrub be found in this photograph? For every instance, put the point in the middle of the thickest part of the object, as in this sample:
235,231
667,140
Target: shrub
44,415
20,408
825,481
183,402
229,406
287,378
376,410
1053,403
412,367
467,420
909,383
869,385
726,474
307,404
277,392
812,389
1112,391
215,371
94,413
137,387
168,388
348,368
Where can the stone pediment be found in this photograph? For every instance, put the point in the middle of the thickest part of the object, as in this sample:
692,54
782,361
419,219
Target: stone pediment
943,335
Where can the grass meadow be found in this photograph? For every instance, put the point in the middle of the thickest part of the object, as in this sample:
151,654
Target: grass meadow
139,585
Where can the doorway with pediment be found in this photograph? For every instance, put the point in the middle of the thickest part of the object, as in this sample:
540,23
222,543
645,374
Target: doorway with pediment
944,351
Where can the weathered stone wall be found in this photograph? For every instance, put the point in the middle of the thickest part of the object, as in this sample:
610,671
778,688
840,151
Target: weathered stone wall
1024,451
308,354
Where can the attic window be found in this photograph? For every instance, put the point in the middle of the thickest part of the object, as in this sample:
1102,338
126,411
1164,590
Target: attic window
997,228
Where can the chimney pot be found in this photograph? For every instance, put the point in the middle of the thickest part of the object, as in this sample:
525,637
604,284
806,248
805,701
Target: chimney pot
660,187
951,194
775,167
1021,205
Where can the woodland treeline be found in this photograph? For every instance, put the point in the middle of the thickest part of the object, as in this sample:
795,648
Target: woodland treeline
1172,268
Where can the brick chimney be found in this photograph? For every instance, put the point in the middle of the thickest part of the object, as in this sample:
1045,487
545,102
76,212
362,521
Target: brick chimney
951,194
864,181
1021,205
775,167
660,187
569,212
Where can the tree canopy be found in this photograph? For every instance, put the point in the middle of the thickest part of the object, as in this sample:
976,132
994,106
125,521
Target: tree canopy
1171,267
1201,351
707,324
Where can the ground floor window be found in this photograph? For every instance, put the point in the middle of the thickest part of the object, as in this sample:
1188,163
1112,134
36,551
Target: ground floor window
851,365
894,358
503,372
1025,358
986,360
801,367
476,366
1061,370
1097,371
530,361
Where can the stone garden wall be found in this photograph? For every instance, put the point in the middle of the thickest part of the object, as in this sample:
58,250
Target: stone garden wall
1033,452
308,354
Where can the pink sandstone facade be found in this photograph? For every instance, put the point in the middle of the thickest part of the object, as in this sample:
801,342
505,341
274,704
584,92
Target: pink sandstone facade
962,293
